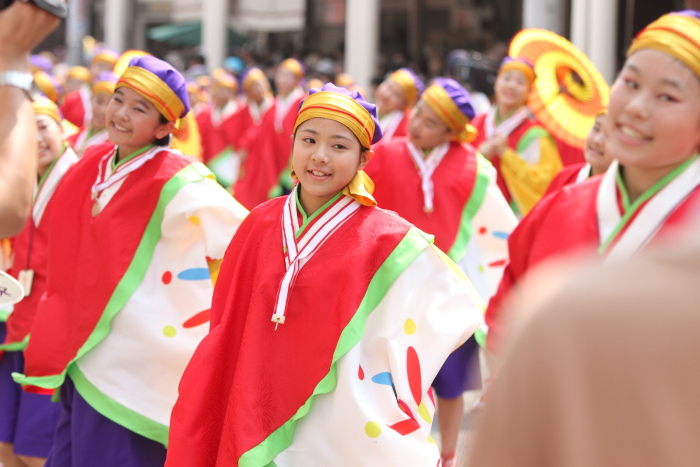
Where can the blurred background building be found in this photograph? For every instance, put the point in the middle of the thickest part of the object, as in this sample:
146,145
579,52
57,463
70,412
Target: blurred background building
364,37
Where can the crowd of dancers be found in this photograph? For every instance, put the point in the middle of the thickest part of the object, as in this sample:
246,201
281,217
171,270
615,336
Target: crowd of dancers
218,275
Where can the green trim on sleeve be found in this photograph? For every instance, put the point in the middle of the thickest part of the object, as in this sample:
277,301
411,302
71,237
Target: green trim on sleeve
403,255
531,134
133,276
476,198
116,412
15,346
4,314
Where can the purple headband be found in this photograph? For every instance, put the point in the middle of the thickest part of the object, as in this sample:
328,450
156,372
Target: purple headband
357,97
106,77
41,62
418,83
458,94
692,13
168,75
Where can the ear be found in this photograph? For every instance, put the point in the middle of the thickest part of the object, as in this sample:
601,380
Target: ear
451,135
365,157
164,129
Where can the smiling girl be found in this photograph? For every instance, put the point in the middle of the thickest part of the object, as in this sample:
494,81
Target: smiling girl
137,232
651,188
330,320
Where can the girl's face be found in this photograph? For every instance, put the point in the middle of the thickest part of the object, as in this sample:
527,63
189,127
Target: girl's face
99,106
326,156
258,90
50,140
390,97
653,121
285,81
133,122
425,129
511,89
594,148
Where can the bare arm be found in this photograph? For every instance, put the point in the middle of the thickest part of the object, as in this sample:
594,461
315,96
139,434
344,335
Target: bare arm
22,27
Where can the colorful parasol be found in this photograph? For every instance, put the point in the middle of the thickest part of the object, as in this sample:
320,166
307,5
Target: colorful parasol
569,91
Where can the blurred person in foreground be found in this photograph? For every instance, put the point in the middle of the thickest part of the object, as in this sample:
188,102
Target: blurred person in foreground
22,27
602,372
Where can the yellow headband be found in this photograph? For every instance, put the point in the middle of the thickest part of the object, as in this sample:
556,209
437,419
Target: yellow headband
46,85
253,75
675,35
45,106
404,79
523,68
106,87
294,66
154,90
343,109
443,105
80,73
107,57
223,79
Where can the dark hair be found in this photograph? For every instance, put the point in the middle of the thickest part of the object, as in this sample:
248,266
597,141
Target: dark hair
165,140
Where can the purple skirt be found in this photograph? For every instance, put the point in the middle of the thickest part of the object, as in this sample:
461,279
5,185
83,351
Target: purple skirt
460,372
26,420
86,438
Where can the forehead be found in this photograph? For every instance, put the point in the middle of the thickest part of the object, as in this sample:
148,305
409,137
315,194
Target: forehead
512,74
428,111
129,94
326,127
393,86
43,118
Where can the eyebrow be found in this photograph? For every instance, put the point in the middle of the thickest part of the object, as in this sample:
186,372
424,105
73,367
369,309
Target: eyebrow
138,101
667,81
309,130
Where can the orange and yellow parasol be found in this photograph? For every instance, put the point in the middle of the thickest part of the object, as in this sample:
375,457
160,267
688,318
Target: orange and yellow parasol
569,91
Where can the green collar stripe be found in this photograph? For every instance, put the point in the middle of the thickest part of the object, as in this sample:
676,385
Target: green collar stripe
49,169
130,156
134,274
631,208
116,412
403,255
306,220
476,198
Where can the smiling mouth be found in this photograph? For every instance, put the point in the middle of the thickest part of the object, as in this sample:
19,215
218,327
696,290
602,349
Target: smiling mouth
119,128
631,133
317,173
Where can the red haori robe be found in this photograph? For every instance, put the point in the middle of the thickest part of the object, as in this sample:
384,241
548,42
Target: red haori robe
569,222
220,410
398,187
72,306
570,174
30,250
269,150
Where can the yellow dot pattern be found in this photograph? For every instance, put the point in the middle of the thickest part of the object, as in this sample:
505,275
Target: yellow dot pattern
195,220
409,326
373,429
169,331
424,413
